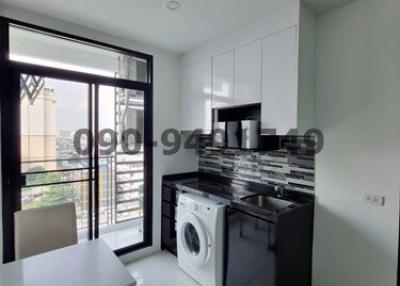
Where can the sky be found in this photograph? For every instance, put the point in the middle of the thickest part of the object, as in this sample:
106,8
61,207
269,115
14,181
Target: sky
72,104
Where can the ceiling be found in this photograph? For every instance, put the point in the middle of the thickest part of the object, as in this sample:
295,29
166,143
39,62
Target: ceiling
150,22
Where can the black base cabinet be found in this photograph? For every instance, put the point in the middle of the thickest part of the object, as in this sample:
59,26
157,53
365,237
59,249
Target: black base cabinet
258,252
168,220
263,253
250,249
168,235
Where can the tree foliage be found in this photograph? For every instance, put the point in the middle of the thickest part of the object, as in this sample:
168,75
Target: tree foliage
53,194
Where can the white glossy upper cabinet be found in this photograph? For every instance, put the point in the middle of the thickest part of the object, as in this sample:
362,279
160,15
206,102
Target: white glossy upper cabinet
222,80
247,86
196,97
279,100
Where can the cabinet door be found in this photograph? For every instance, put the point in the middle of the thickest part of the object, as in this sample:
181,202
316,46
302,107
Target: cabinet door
279,81
248,74
251,256
196,97
222,80
168,235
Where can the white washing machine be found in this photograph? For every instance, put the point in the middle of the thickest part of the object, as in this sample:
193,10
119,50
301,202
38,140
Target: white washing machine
200,239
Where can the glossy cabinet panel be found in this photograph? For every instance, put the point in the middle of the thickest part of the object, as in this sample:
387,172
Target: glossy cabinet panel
168,221
222,80
168,235
279,100
251,249
196,97
247,86
168,210
168,194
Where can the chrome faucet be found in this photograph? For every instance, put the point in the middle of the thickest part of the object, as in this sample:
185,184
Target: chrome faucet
279,191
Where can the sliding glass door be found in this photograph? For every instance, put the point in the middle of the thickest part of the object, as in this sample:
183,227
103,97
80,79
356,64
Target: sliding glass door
121,165
52,170
82,141
76,126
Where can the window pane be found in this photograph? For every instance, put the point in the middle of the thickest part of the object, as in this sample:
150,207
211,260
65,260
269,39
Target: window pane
121,172
38,48
52,111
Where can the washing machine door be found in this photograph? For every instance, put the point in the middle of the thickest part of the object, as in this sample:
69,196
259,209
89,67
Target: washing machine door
194,239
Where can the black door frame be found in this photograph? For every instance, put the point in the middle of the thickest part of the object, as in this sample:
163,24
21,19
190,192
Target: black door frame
10,131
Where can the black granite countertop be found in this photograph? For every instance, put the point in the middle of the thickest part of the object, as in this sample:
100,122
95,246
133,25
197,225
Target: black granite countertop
232,193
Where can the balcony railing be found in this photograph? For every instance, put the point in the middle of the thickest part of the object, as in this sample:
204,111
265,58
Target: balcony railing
56,181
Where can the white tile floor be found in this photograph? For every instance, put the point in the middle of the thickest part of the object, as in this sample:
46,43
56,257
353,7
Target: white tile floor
159,269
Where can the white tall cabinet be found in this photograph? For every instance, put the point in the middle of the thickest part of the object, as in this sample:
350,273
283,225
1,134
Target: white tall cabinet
279,81
196,97
288,77
276,69
222,80
247,84
236,76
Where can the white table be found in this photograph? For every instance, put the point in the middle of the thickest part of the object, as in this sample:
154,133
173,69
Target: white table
86,264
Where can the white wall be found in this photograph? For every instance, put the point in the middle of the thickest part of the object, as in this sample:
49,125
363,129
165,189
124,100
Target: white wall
358,101
166,106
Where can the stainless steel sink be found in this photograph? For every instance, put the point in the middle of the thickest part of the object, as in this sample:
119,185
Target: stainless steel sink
268,202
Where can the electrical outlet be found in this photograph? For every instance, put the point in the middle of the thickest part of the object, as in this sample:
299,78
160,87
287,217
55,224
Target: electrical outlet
375,200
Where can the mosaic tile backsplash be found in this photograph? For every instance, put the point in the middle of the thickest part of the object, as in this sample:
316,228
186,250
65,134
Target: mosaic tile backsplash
293,166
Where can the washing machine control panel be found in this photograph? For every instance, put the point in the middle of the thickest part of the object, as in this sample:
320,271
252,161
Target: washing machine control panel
196,207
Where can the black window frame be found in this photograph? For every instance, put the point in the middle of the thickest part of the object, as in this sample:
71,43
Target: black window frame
10,183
